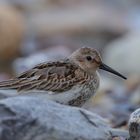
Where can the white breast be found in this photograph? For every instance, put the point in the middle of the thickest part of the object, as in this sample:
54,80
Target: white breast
66,96
62,97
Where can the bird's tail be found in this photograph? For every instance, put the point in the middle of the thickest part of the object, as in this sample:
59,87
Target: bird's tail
9,84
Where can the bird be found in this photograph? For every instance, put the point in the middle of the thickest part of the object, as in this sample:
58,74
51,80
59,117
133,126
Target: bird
70,81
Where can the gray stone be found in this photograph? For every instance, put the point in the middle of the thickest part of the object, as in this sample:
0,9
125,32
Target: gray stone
134,125
124,54
31,118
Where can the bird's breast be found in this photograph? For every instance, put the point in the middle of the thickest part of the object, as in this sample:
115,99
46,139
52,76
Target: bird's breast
88,90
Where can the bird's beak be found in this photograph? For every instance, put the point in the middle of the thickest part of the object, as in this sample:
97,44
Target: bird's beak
109,69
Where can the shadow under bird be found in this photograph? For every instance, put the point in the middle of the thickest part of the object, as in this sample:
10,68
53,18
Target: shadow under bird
71,81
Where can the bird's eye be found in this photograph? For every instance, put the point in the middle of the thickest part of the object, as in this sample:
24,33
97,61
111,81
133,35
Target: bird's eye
89,58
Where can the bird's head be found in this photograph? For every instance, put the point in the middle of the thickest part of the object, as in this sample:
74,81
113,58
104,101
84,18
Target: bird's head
90,61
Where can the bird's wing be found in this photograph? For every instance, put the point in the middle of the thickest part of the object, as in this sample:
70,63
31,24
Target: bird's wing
52,76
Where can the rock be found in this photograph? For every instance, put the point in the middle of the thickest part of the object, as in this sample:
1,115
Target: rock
134,125
124,54
11,32
30,118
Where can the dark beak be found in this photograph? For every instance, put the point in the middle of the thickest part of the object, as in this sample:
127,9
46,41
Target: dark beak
107,68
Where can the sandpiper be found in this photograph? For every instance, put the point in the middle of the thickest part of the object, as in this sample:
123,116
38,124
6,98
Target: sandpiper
71,81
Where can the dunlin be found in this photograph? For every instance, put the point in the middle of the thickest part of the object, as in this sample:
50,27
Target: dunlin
71,81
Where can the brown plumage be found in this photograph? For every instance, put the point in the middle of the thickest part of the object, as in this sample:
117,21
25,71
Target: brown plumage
70,81
52,76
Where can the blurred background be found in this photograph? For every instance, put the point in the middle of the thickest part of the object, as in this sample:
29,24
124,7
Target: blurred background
34,31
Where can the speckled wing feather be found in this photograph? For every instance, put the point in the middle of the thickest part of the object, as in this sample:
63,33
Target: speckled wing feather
53,76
